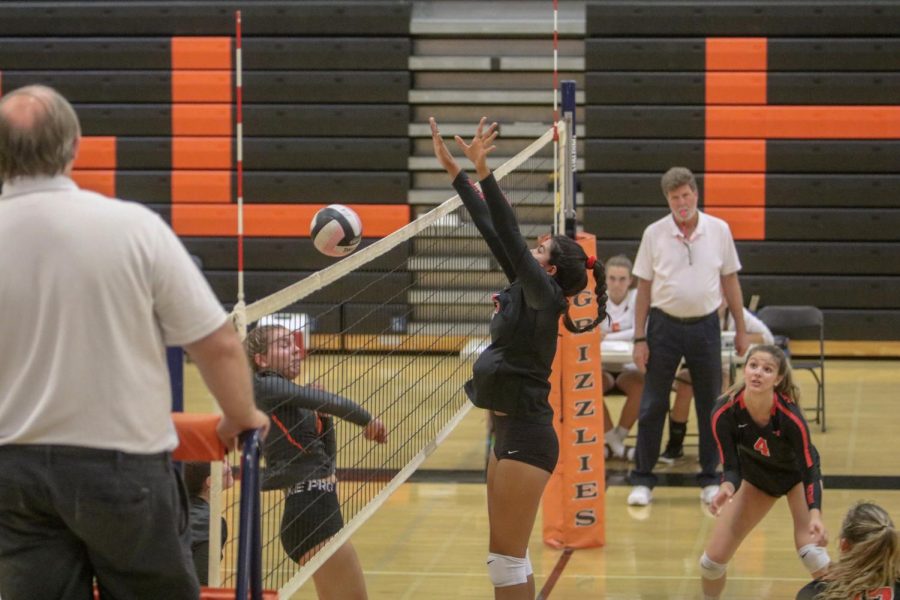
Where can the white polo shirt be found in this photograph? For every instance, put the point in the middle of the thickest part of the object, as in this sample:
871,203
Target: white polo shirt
686,273
91,292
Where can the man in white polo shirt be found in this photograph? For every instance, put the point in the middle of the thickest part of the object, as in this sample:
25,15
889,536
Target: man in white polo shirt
92,290
685,262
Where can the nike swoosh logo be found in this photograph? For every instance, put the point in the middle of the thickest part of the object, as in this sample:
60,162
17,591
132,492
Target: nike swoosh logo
511,451
490,561
740,425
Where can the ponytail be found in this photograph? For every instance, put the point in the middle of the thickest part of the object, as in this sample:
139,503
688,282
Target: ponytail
873,557
571,264
599,292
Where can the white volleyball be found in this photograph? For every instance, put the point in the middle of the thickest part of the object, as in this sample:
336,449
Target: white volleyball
336,230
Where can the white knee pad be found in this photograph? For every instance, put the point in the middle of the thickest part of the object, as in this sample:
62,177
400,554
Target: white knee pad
710,569
814,558
506,570
528,570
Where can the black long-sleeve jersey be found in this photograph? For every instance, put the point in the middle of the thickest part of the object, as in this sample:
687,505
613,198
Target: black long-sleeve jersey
815,587
513,374
774,458
301,444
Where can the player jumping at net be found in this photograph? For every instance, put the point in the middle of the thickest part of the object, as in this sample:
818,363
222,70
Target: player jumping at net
301,457
511,377
766,452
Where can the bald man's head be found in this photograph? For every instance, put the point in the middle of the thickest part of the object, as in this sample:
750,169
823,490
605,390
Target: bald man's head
39,133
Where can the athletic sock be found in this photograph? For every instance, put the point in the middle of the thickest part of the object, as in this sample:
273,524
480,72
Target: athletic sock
614,443
677,432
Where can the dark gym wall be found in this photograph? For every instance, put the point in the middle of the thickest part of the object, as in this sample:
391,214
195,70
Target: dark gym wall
787,112
326,117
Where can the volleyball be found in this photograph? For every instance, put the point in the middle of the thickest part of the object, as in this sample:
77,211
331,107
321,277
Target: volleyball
336,230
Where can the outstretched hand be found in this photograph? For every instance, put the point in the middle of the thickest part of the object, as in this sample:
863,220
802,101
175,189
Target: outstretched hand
481,145
441,152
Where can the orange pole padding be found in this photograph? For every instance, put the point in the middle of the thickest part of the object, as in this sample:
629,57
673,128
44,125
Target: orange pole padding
197,438
735,156
201,119
96,152
736,54
102,182
574,514
730,189
803,122
195,187
745,223
736,88
201,86
279,220
201,53
201,153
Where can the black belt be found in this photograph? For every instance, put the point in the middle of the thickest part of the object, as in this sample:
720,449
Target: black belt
682,320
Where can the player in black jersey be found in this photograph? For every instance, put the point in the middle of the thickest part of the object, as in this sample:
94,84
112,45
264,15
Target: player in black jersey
869,566
511,378
766,452
301,453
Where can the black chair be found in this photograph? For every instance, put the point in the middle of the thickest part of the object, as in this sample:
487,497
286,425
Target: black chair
801,323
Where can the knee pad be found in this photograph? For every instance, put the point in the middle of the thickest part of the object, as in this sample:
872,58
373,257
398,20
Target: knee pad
710,569
506,570
814,558
528,570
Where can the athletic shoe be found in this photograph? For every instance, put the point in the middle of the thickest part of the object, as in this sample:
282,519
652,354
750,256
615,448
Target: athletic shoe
671,454
708,493
640,495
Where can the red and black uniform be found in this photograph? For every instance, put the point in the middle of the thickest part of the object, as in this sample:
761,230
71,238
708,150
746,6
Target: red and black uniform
300,453
513,374
775,457
811,589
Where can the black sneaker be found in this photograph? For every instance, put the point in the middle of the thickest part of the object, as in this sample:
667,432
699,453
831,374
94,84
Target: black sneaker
671,454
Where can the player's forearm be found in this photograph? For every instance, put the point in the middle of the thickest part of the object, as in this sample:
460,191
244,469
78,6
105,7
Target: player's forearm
641,307
223,365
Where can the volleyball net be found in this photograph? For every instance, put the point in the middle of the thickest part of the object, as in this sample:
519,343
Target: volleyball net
393,327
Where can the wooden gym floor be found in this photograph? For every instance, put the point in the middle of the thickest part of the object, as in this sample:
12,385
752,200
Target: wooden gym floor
430,540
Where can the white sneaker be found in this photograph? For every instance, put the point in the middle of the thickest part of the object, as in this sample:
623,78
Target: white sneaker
640,495
708,493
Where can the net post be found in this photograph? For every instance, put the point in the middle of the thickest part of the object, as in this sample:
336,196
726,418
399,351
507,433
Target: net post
561,168
570,158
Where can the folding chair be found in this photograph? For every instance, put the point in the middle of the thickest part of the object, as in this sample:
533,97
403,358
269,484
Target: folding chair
801,323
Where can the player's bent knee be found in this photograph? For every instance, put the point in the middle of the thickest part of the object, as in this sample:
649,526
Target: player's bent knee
507,570
710,569
814,557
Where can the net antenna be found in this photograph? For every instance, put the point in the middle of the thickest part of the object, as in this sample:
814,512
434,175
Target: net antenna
558,212
239,318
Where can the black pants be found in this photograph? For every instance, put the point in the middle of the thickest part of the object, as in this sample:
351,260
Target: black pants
700,344
70,514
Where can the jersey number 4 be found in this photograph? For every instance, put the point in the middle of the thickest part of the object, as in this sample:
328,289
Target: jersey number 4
762,447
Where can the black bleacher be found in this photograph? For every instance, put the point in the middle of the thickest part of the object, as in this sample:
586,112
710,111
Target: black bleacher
832,206
326,110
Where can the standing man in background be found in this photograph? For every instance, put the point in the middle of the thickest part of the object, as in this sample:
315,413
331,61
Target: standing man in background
685,262
92,290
